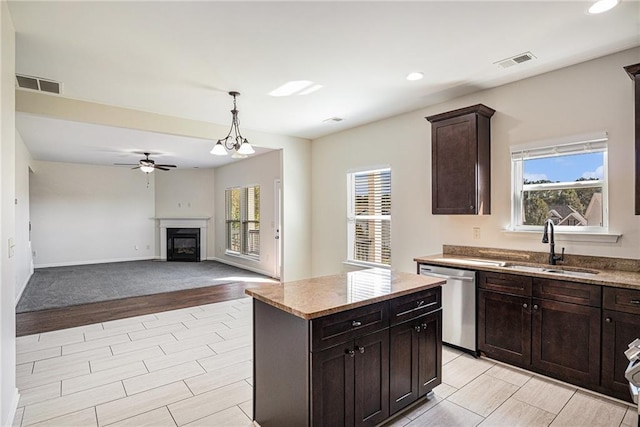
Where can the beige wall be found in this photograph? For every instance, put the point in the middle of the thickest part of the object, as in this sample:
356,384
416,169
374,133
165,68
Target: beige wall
8,391
589,97
261,170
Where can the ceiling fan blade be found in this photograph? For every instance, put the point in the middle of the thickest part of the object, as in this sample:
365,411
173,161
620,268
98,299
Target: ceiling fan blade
126,164
137,167
161,168
167,166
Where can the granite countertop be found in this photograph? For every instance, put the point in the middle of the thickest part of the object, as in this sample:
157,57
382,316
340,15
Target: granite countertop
320,296
603,276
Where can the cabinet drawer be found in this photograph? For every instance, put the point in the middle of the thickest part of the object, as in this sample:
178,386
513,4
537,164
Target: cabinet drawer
411,306
337,328
571,292
507,283
620,299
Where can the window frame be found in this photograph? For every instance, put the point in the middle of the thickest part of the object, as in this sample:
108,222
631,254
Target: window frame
548,149
242,222
352,217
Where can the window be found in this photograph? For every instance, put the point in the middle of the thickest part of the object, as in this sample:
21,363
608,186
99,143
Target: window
369,217
566,183
243,221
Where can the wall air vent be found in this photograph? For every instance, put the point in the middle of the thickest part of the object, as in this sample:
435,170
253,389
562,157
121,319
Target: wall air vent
515,60
38,83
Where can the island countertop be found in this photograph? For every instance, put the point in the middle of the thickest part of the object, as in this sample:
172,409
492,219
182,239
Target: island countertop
320,296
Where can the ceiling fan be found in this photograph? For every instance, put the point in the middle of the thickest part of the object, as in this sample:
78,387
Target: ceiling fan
147,165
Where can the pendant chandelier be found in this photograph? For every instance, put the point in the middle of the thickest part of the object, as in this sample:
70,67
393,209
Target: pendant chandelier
237,143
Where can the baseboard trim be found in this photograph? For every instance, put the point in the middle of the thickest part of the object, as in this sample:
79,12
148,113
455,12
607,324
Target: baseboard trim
13,409
239,265
94,261
22,287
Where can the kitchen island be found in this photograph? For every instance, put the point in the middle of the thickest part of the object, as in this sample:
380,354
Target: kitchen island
348,349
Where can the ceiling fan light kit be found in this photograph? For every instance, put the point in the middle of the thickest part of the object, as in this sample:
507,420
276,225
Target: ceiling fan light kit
237,142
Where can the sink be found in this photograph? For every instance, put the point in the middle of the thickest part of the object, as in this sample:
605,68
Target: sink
553,270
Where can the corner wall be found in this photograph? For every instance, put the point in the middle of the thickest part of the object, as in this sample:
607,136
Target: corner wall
590,97
24,260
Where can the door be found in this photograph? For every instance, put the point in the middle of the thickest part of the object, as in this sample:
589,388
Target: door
429,352
403,366
566,341
277,221
504,327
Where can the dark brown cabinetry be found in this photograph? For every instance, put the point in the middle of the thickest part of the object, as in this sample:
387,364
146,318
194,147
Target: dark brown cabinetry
634,73
415,359
338,369
620,326
350,382
461,161
548,326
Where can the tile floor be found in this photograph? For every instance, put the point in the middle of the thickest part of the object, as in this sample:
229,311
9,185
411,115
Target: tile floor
193,367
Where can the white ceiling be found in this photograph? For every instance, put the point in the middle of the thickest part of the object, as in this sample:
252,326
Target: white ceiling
181,58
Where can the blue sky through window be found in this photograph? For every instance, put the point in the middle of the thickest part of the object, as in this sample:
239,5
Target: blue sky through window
565,168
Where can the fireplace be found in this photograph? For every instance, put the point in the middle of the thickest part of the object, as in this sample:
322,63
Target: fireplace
183,244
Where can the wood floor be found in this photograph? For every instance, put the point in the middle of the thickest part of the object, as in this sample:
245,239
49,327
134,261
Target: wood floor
61,318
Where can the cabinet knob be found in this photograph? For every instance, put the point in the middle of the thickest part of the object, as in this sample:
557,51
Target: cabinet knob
424,326
525,305
417,328
535,306
608,320
470,206
356,323
360,349
635,301
350,352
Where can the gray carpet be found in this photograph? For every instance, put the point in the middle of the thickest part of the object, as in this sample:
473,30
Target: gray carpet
80,284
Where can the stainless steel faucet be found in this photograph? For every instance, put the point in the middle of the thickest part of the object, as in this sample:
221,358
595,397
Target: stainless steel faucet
548,229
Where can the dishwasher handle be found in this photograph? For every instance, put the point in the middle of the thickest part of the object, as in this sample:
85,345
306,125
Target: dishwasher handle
444,276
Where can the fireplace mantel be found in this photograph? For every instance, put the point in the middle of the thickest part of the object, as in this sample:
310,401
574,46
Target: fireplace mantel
182,222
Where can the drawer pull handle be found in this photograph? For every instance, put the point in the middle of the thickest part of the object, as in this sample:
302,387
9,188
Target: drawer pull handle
417,328
608,320
635,301
420,303
360,349
350,352
356,323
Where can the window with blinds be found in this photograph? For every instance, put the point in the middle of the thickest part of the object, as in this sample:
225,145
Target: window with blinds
369,217
243,221
565,182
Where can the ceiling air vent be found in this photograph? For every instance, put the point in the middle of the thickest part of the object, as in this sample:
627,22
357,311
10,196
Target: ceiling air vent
38,83
515,60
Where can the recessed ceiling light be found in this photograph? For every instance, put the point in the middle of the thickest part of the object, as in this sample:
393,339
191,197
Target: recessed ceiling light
415,76
296,87
602,6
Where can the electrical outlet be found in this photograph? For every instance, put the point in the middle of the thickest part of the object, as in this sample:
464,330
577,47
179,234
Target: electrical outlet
476,233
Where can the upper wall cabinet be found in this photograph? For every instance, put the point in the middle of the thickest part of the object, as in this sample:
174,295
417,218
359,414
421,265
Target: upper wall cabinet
461,161
634,73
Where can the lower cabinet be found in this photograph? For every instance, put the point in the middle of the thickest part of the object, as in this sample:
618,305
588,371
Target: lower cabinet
555,330
415,359
350,382
620,326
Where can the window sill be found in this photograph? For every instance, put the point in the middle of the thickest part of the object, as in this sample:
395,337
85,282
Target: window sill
363,264
571,236
241,256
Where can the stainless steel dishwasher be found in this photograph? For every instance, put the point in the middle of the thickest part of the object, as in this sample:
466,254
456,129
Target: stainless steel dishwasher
458,306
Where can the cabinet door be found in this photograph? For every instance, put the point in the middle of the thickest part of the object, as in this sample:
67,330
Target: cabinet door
566,341
403,365
372,379
618,330
415,359
332,386
429,352
504,327
454,161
